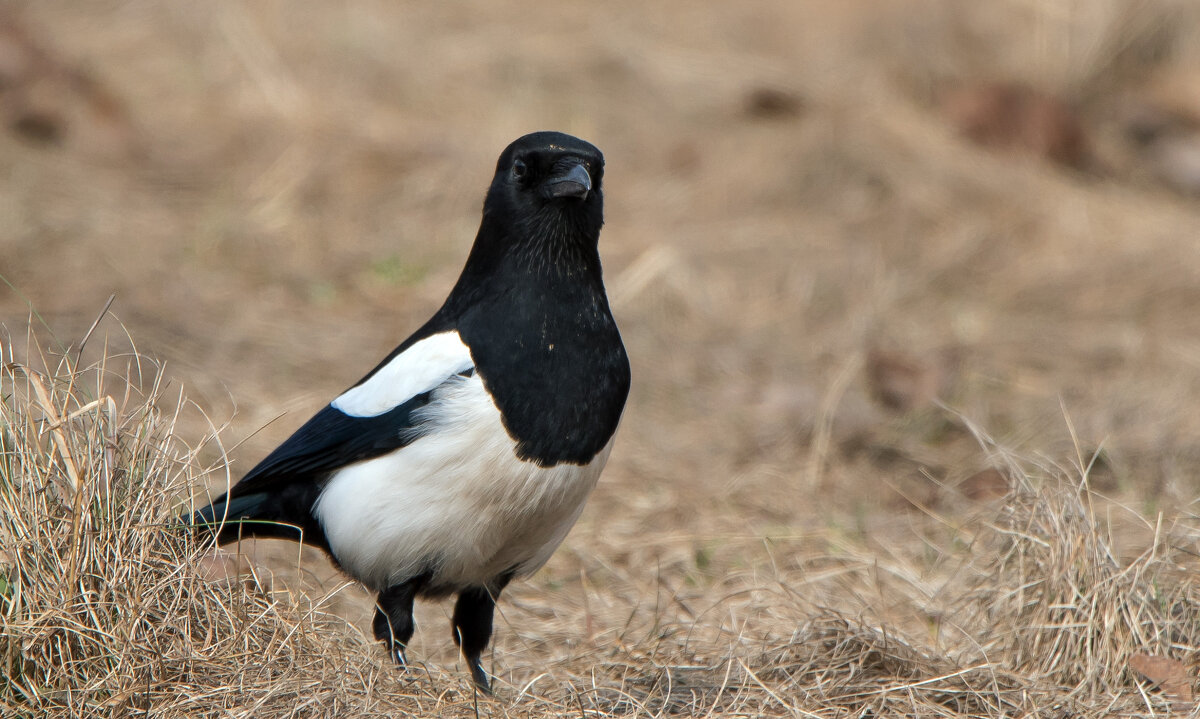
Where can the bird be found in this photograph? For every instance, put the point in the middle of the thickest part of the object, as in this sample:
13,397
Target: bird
462,460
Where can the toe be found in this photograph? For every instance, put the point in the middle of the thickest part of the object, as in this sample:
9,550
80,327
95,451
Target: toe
480,677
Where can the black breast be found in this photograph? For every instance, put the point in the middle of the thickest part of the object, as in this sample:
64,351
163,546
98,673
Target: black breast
551,357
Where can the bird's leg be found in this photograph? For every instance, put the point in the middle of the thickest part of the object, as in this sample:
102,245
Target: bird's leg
473,625
473,629
394,624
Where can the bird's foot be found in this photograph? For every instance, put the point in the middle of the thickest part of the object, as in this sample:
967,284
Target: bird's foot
398,657
479,676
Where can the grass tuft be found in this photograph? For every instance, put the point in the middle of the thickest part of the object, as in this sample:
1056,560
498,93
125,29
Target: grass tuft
1059,602
104,608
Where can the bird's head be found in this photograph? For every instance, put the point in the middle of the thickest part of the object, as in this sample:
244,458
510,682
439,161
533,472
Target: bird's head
549,182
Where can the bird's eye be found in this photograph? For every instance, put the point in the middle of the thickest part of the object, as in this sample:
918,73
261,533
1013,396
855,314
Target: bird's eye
519,169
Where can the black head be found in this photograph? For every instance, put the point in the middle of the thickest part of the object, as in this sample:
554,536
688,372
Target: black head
548,178
550,166
542,215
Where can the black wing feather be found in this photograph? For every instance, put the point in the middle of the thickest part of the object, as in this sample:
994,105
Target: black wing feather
333,439
275,499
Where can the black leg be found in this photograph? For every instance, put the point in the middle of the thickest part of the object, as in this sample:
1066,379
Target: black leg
394,624
473,626
473,629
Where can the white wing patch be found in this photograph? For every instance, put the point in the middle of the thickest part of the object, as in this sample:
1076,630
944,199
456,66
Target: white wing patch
417,369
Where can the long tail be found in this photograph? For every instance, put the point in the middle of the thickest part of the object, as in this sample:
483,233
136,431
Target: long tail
262,514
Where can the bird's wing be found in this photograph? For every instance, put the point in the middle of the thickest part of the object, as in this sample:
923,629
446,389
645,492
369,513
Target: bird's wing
368,420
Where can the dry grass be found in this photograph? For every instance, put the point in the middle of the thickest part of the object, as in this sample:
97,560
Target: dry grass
1062,607
111,609
104,613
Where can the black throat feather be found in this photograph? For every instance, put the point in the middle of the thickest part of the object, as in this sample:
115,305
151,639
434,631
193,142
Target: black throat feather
531,306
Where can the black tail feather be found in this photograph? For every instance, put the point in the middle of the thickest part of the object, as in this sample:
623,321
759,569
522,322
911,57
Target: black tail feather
283,515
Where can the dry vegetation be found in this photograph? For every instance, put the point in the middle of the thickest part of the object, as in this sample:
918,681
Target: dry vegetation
910,292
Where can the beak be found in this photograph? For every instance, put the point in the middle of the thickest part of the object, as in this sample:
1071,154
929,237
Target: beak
575,182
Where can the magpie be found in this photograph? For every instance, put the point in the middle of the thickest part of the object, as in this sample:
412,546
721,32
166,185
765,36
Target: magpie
463,459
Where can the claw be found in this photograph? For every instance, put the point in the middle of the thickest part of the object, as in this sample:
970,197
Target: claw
479,676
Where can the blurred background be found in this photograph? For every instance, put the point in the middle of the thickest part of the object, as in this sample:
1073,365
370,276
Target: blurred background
855,249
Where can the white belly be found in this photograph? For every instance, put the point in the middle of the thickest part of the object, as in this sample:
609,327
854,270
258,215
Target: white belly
456,502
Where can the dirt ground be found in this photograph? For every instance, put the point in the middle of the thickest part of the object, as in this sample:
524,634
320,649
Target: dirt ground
857,305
